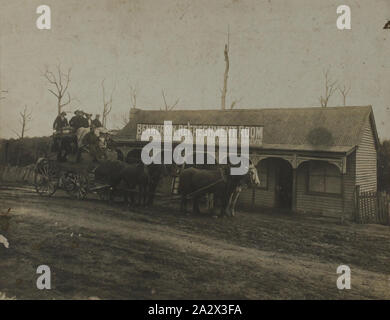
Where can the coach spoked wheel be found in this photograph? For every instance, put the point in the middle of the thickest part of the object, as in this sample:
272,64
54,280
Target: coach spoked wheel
76,185
45,178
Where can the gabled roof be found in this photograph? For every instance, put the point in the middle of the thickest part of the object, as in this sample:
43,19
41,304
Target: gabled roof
333,129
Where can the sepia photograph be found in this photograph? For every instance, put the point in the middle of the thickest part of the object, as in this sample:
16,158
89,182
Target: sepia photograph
223,150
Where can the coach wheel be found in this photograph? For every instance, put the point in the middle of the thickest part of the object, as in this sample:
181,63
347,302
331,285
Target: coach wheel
76,185
45,179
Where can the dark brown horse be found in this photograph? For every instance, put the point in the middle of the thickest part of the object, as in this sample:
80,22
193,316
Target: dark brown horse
135,177
226,188
109,173
154,171
125,179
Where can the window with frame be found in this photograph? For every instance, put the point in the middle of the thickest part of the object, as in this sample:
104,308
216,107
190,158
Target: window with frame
324,178
262,171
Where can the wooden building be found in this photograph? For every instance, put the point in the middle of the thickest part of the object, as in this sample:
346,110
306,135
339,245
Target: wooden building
309,159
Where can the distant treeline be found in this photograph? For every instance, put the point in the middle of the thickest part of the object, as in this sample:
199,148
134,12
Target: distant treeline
22,152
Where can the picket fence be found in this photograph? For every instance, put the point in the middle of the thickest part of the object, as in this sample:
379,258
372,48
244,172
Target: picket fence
372,207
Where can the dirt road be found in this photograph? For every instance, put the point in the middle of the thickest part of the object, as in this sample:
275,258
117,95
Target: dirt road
97,250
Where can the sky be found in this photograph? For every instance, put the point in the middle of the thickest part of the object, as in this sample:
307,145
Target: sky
279,50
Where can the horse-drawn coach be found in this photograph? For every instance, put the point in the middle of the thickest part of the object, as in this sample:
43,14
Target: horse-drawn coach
118,170
71,163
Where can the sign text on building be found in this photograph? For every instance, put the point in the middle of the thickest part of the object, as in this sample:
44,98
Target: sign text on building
255,132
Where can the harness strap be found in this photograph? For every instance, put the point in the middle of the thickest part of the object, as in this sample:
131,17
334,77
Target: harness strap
204,188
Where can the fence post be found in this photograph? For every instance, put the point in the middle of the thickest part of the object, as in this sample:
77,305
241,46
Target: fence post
357,204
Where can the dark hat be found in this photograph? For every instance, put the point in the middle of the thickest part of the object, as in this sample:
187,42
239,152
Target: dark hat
63,113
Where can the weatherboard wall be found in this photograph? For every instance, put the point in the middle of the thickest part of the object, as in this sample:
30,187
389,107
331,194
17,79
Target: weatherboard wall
330,205
366,160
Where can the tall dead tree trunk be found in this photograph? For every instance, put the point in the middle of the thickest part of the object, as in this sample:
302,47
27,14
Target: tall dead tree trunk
133,99
344,93
330,88
60,81
225,77
107,105
25,118
168,107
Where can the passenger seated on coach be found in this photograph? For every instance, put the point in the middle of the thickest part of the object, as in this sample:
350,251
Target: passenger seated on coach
88,117
79,121
60,122
96,122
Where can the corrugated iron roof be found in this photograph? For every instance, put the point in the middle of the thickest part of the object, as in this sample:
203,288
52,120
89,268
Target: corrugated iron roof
333,129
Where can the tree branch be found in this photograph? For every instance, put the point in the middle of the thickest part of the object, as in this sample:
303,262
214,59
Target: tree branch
330,88
107,104
166,105
58,82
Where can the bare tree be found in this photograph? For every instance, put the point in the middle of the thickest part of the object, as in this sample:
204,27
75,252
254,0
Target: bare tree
124,119
224,90
330,88
233,104
24,119
133,101
133,97
344,90
107,104
168,107
60,81
226,74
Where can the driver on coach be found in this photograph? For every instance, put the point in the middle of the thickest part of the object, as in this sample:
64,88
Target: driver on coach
60,122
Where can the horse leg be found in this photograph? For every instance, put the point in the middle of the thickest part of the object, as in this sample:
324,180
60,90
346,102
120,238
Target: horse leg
152,190
183,204
140,195
227,210
126,200
65,156
234,201
144,195
132,198
111,195
223,207
195,206
147,194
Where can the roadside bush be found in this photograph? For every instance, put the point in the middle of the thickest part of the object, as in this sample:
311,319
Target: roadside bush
22,152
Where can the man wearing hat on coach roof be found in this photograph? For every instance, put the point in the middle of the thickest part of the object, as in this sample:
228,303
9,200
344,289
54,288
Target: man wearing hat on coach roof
60,122
96,122
78,120
89,119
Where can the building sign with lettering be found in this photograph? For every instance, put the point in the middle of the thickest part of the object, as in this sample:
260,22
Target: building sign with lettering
255,132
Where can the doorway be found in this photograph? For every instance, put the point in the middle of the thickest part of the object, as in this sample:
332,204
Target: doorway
283,183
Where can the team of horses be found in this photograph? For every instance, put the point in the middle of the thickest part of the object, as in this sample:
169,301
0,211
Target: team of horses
131,177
